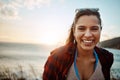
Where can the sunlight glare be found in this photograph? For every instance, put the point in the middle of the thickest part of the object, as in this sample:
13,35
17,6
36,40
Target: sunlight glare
50,38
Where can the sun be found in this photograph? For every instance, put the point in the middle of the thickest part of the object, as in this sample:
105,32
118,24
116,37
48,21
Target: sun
50,38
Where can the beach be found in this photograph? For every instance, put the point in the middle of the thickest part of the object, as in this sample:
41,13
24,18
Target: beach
27,62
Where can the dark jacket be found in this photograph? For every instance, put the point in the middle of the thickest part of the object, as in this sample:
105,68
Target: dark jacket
61,59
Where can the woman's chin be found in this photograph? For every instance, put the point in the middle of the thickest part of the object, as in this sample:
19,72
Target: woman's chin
88,48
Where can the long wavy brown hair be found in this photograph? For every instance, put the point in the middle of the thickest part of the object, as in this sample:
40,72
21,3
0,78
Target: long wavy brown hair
79,13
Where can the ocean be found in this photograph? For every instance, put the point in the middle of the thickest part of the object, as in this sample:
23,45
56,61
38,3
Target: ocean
29,59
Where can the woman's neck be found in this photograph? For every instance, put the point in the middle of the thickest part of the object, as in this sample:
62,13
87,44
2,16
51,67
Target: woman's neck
85,53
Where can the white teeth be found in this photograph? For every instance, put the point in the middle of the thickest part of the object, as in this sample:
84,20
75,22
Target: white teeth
87,41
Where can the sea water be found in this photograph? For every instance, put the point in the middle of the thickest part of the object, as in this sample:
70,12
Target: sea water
115,69
31,59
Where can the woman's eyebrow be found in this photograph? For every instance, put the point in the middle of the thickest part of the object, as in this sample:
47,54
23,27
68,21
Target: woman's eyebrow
95,26
81,26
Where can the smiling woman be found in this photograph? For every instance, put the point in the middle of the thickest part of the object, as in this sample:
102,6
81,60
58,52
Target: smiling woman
67,61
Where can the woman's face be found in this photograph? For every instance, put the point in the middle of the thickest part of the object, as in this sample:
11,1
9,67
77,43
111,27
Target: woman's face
87,32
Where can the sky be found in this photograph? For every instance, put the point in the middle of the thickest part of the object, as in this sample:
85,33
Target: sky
48,21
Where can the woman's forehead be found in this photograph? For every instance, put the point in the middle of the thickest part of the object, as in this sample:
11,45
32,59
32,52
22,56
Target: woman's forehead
88,19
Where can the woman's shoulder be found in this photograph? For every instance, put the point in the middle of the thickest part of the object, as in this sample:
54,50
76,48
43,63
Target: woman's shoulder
106,57
58,51
103,51
62,50
61,55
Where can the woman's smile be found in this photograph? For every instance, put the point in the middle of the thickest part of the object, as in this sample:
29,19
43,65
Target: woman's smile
87,32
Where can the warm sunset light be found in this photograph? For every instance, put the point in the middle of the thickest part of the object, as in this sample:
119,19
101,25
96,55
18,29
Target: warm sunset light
50,38
31,30
47,22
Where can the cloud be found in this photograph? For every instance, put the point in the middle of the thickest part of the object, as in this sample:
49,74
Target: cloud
30,4
9,9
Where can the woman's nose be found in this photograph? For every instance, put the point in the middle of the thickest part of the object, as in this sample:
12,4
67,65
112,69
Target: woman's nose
88,33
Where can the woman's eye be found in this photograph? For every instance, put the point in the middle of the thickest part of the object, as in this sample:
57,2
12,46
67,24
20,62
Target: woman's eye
81,28
95,28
